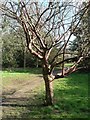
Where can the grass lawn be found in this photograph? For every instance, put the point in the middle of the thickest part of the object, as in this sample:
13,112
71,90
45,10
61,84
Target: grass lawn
23,96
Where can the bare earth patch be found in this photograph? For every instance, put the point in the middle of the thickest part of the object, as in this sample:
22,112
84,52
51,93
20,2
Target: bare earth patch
19,93
22,89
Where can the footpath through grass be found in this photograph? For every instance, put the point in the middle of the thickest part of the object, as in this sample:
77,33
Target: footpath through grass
70,96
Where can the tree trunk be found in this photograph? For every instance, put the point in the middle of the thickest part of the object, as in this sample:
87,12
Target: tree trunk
25,49
48,87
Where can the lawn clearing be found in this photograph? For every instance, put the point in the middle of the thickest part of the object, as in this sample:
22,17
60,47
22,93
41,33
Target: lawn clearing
69,64
23,96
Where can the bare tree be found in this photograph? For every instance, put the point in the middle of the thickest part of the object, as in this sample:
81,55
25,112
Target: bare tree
47,26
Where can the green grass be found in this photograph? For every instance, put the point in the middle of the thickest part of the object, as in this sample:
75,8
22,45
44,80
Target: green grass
70,97
68,64
11,76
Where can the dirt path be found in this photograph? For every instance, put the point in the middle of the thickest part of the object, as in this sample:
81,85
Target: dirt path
23,93
22,90
28,87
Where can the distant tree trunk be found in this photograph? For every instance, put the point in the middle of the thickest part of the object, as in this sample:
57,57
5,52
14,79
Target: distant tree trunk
63,65
48,87
25,49
37,63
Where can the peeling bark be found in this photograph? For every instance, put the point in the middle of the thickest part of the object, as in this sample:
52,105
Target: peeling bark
48,86
49,91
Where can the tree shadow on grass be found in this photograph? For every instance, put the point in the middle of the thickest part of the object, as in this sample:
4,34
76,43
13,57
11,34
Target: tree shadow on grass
26,105
21,105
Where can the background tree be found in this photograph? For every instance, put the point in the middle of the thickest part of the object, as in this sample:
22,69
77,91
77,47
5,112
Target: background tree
82,42
54,19
15,53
